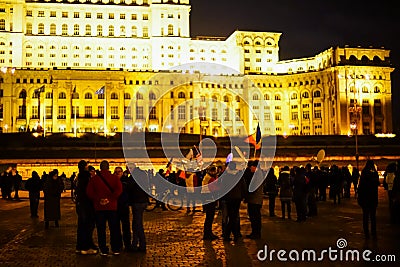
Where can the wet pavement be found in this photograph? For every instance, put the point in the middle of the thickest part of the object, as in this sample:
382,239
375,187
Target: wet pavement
175,238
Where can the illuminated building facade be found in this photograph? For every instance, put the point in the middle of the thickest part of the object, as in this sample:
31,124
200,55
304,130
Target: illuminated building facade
73,48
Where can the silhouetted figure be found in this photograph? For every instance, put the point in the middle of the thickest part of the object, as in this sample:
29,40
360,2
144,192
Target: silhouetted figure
34,186
52,190
368,196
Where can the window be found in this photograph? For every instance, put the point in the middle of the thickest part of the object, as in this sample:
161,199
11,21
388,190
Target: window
277,97
127,96
22,112
145,17
153,113
170,29
114,96
317,93
139,113
62,112
111,30
49,112
237,113
41,28
306,115
88,30
121,16
295,116
100,111
64,14
133,17
181,113
53,29
278,117
40,14
99,15
49,95
127,112
28,28
76,15
111,16
88,111
99,30
134,31
88,15
226,114
139,96
181,95
114,112
34,112
29,13
64,29
317,114
88,96
214,114
152,96
62,95
145,32
305,95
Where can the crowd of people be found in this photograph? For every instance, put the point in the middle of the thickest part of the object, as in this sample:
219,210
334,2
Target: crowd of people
105,198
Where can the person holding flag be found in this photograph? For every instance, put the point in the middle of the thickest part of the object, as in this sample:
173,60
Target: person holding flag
255,139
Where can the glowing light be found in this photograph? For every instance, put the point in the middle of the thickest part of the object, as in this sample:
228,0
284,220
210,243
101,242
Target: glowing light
389,135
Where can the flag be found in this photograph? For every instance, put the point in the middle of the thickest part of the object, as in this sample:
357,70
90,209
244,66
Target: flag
100,91
169,168
229,158
74,91
255,139
189,156
40,89
51,79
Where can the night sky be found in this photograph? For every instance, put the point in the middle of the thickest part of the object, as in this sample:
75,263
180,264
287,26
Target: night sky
308,27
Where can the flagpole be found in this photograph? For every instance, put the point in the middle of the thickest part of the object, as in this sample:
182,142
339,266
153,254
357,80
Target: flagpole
44,120
105,112
75,121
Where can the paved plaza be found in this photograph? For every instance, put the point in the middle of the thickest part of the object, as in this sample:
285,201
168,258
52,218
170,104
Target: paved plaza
175,238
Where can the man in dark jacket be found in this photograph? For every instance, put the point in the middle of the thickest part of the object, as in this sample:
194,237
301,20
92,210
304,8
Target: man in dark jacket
17,182
300,193
368,196
233,199
104,189
34,186
138,200
85,212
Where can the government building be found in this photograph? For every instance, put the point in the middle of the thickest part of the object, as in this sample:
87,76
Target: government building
108,66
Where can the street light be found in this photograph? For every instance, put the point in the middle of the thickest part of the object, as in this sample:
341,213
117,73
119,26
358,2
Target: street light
355,110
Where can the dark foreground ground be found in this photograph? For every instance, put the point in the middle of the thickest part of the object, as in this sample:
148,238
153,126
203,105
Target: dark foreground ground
175,239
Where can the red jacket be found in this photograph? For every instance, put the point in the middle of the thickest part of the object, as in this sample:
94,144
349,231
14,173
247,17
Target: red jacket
97,190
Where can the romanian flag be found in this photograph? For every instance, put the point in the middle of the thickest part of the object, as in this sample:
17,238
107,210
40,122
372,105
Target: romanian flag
255,139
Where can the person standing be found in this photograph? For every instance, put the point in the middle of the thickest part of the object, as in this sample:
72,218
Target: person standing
286,191
368,196
16,182
138,200
389,176
209,186
123,209
52,190
85,212
300,193
6,184
254,201
104,189
271,189
34,186
232,200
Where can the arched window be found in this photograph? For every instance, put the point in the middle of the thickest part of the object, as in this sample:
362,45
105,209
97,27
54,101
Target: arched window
139,96
76,29
40,28
181,95
152,96
2,24
266,97
88,96
99,30
305,95
377,90
317,93
111,30
122,31
214,98
62,95
53,29
170,29
49,95
64,29
134,31
114,96
256,97
365,89
277,97
88,29
237,98
293,96
226,98
29,28
127,96
22,94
